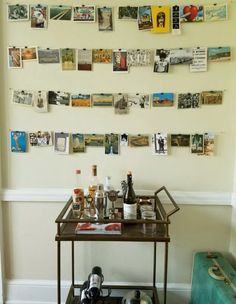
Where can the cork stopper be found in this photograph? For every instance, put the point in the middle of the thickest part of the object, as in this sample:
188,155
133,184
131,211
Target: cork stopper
77,171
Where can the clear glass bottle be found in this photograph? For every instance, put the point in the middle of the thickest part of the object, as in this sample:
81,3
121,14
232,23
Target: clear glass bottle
78,196
91,190
130,203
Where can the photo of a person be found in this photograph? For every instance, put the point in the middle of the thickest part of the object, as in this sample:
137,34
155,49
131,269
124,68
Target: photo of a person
120,61
161,17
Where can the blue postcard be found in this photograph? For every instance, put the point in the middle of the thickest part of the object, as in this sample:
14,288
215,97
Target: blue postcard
18,141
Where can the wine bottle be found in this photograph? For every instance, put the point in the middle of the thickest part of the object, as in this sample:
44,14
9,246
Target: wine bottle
78,196
130,203
95,282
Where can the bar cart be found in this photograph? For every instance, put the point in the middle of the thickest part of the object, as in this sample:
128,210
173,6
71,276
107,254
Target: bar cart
66,225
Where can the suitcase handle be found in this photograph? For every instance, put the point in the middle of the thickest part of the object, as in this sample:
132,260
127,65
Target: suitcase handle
211,272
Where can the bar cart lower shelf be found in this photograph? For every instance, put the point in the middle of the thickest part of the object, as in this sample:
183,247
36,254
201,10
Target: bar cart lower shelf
131,232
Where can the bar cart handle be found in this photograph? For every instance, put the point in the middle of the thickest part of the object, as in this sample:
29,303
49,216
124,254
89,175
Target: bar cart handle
176,207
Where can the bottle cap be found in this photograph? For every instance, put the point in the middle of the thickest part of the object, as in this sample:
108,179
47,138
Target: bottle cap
76,190
77,171
129,173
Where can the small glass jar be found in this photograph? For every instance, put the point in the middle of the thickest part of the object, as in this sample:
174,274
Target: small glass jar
149,216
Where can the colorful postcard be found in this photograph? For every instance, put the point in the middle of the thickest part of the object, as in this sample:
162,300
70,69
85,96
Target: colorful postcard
38,16
219,53
29,53
139,140
62,143
48,55
14,57
191,13
138,100
188,100
22,97
84,13
59,98
85,60
78,143
112,144
68,59
80,100
18,141
216,12
160,19
180,140
105,19
199,63
121,103
102,100
162,61
120,64
197,143
41,101
175,20
94,140
40,139
181,56
145,18
128,13
162,99
102,55
60,12
209,144
18,12
124,138
211,97
159,144
139,57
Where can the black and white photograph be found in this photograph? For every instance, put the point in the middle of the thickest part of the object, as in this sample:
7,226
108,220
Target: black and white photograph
124,138
199,63
180,140
175,20
197,144
40,139
181,56
121,103
85,60
128,13
46,56
111,144
23,97
138,100
105,19
162,61
139,57
61,143
159,144
41,101
38,16
18,12
14,58
59,98
188,100
60,12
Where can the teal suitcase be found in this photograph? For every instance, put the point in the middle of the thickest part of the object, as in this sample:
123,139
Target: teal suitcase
213,279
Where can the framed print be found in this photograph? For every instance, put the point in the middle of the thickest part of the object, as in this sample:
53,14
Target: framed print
29,53
14,58
46,56
128,13
38,16
22,97
18,12
18,141
80,100
68,59
162,99
216,12
191,13
105,19
60,12
84,13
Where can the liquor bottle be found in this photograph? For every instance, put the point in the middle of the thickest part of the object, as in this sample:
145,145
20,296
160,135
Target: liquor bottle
78,196
130,203
91,191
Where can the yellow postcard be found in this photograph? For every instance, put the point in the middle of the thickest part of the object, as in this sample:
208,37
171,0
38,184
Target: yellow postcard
161,19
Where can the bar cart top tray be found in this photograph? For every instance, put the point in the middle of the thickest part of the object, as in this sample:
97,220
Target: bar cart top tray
132,230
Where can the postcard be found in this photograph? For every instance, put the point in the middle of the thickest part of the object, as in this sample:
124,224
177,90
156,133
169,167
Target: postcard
162,61
141,101
219,53
68,59
84,13
181,56
40,139
94,140
209,144
145,18
139,140
59,98
18,141
18,12
41,101
102,100
211,97
191,13
22,97
60,12
120,61
102,55
29,53
216,12
128,13
78,143
197,143
175,20
160,19
124,138
139,57
48,55
39,15
62,143
188,100
85,60
159,144
180,140
112,144
14,57
105,22
121,103
199,63
80,100
162,99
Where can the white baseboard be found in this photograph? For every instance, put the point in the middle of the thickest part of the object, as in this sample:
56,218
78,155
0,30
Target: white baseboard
45,292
